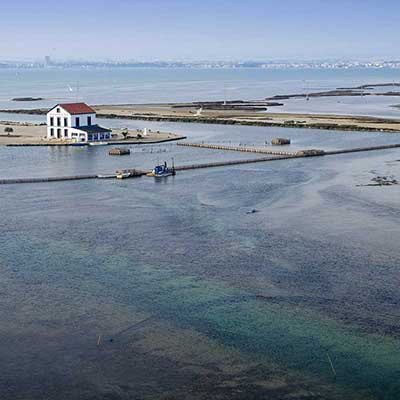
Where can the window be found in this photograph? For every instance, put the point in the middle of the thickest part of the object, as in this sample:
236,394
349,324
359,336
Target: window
65,132
65,121
89,121
58,110
58,121
51,132
58,133
51,121
76,121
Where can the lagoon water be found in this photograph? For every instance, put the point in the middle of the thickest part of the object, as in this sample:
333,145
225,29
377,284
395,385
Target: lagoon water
135,85
144,289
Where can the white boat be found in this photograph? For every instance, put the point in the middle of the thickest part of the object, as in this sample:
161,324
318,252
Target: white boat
98,143
123,175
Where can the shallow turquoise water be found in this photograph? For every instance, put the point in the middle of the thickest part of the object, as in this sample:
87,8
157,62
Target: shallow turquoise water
323,251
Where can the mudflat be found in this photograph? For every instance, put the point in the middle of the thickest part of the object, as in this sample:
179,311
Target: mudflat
194,112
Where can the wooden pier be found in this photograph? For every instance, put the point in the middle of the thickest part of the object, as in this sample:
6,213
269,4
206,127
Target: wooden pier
258,150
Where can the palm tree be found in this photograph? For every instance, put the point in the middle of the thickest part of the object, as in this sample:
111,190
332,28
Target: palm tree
124,133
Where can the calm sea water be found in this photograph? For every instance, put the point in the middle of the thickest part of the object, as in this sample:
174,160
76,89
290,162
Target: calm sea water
117,85
146,289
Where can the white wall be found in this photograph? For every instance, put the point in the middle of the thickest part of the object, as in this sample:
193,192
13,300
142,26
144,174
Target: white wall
54,114
82,119
78,134
70,121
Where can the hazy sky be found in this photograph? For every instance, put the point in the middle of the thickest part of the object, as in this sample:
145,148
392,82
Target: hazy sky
201,29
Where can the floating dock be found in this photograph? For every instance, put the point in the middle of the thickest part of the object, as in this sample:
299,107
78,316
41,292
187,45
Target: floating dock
119,151
280,141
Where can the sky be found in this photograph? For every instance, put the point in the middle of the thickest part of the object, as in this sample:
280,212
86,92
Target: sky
200,29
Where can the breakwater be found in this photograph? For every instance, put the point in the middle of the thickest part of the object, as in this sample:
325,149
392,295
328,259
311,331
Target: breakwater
234,162
47,179
362,149
138,172
288,154
258,150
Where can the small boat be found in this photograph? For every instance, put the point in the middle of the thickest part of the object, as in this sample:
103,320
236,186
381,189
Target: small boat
122,174
78,144
253,211
98,143
161,171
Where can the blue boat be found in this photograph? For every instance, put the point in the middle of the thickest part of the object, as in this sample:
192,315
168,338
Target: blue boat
161,171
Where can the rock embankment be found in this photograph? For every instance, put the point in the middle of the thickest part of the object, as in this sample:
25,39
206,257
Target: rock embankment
27,99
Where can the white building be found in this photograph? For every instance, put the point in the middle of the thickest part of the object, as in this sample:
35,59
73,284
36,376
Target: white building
75,121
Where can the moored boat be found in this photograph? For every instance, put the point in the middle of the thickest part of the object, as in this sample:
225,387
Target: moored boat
106,176
161,171
128,173
78,144
97,143
123,175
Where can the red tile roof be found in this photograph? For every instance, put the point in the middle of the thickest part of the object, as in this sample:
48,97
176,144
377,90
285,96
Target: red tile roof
77,108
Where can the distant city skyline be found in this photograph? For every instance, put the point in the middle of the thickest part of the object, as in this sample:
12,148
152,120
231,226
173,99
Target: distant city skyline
142,30
205,64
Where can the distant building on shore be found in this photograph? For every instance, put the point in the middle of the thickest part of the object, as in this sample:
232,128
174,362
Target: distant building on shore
47,61
76,122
